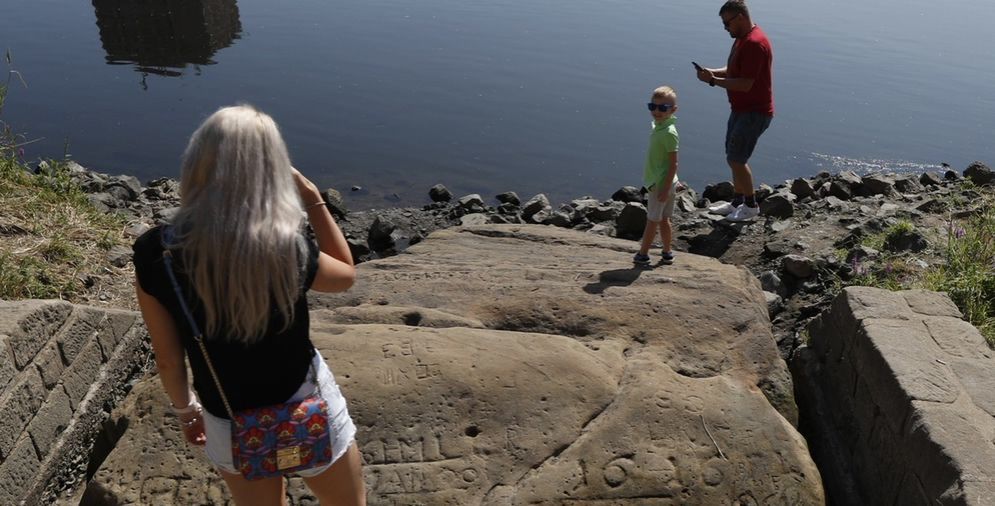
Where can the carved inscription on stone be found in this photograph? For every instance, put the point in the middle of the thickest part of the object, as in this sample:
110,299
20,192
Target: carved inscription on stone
403,450
407,363
426,477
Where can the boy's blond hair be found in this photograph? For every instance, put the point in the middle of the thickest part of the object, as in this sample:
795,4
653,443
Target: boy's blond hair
665,92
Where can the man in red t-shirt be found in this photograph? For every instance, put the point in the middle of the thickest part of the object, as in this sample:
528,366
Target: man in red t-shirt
747,80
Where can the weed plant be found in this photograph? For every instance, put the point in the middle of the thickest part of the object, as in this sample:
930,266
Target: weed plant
968,274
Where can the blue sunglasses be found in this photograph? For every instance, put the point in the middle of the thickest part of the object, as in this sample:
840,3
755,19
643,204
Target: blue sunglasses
663,107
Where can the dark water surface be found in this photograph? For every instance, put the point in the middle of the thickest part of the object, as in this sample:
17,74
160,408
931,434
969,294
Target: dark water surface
530,96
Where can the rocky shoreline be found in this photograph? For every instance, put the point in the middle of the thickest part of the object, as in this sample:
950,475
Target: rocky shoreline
816,236
807,243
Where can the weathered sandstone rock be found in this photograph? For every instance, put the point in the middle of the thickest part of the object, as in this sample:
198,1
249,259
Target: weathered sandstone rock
901,390
503,365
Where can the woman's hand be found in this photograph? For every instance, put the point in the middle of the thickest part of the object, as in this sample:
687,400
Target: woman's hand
308,191
193,429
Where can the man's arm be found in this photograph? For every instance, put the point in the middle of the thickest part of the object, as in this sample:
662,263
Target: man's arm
735,83
718,76
706,75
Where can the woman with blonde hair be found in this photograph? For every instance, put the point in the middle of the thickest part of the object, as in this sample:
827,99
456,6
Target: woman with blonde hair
237,256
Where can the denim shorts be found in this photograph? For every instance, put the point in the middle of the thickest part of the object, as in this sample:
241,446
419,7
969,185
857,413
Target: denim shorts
742,132
343,431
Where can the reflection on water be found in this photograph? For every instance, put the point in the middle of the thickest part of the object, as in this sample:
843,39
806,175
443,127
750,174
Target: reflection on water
835,163
164,36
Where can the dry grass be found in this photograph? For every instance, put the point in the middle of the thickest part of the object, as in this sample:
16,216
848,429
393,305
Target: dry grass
53,242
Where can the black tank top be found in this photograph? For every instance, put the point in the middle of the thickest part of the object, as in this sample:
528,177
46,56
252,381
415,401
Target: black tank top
269,371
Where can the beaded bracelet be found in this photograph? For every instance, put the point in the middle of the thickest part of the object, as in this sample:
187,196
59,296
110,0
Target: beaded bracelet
190,422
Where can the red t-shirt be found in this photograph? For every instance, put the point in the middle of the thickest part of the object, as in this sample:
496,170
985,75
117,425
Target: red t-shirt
752,56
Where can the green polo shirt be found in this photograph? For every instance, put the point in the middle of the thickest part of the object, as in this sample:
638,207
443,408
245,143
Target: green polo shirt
663,141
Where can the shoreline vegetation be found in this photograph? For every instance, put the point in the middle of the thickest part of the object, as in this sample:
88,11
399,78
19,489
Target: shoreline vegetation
66,232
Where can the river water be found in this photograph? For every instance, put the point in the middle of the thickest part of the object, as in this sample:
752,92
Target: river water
532,96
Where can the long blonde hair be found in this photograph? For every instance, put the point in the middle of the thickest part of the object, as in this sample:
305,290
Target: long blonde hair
239,222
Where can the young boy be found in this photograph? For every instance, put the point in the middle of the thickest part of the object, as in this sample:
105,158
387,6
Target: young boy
660,174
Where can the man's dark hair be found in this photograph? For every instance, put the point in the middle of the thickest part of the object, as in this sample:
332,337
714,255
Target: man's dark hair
735,7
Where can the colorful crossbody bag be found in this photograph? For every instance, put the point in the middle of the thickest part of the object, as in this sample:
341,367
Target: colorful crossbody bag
271,440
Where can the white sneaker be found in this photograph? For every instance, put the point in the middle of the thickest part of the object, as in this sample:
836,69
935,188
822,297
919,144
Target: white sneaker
744,213
722,208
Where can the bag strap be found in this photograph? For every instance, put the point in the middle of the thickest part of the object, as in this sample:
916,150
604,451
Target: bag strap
167,258
198,336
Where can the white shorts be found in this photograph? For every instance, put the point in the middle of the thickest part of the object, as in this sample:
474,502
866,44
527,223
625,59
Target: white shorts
656,210
343,431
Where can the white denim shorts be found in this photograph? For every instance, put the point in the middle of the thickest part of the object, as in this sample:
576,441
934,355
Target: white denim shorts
343,431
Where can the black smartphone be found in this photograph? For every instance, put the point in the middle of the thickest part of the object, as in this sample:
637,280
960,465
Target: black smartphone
696,65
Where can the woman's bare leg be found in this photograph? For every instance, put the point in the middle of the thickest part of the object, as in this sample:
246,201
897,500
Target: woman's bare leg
264,492
342,484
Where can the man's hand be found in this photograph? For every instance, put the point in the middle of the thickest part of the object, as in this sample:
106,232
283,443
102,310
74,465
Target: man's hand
705,75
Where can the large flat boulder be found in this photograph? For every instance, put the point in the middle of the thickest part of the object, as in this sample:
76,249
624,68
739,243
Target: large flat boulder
702,317
501,365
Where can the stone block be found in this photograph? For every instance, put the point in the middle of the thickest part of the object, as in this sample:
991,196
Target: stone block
866,302
50,365
978,379
911,491
18,471
896,362
53,418
833,330
29,325
977,492
876,462
957,337
113,328
80,328
948,446
17,406
80,375
912,424
867,415
910,352
7,369
930,303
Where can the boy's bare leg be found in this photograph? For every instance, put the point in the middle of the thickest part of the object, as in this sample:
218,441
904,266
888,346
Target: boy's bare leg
742,177
649,233
666,233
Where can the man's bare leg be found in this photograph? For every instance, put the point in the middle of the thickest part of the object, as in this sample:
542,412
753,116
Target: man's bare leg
742,178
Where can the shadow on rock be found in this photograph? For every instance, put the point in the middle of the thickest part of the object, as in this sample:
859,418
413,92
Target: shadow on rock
715,243
614,277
